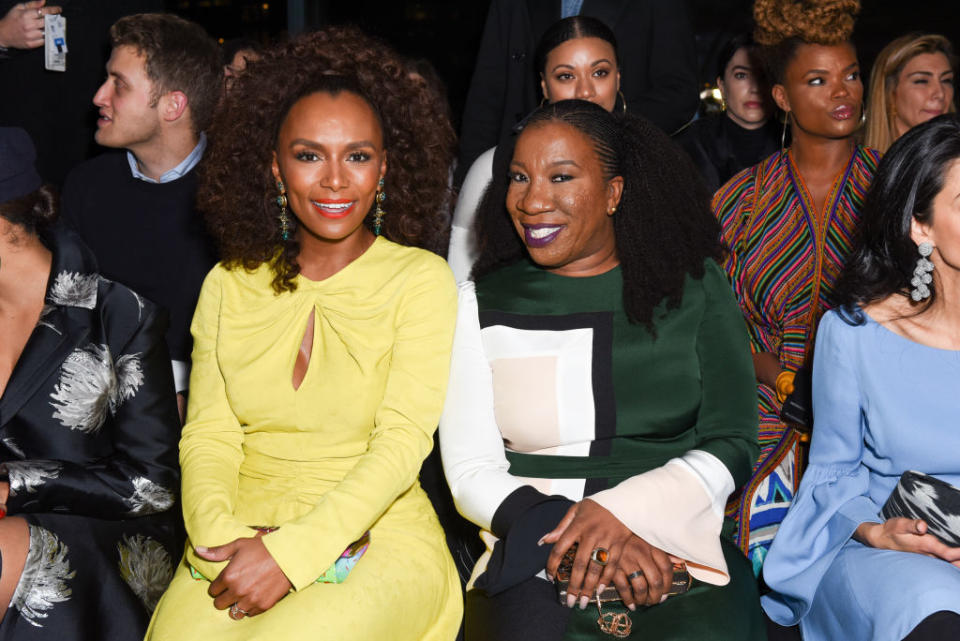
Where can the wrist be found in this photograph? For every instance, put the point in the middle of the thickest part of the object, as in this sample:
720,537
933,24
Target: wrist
865,533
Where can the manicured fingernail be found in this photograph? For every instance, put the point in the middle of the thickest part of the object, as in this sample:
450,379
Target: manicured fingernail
571,599
201,549
583,602
601,588
632,607
541,541
549,577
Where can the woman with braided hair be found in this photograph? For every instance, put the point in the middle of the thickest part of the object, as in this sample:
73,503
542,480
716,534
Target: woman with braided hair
601,405
788,224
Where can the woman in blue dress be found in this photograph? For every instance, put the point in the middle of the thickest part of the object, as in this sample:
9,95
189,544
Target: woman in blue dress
885,385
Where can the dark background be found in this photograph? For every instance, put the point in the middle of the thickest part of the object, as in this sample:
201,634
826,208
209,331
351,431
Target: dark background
447,32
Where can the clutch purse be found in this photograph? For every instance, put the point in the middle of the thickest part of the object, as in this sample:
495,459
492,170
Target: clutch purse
616,624
921,496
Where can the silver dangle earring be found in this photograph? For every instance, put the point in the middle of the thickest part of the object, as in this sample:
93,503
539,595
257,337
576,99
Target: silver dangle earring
922,273
378,212
283,217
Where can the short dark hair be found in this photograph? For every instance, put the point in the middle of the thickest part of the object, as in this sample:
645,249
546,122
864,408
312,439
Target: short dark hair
35,212
179,56
907,180
664,227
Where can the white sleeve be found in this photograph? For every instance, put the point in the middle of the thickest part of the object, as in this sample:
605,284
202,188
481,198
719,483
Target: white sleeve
471,445
678,508
463,249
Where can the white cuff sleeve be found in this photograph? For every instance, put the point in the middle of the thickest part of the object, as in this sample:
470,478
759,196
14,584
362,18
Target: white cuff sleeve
181,375
678,508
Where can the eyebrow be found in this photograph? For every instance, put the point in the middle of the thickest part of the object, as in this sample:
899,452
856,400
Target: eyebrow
592,64
556,163
825,71
359,144
737,67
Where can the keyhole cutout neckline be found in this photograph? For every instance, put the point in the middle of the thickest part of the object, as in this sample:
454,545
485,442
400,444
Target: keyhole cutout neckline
302,362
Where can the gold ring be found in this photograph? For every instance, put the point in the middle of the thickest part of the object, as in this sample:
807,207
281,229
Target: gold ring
635,575
600,556
236,612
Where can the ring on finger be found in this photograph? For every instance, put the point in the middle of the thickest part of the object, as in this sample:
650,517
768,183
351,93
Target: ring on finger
635,575
236,612
600,556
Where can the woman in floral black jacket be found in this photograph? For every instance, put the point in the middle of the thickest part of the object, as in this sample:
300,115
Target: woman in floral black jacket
88,431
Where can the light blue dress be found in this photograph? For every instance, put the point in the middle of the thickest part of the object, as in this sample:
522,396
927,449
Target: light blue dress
882,404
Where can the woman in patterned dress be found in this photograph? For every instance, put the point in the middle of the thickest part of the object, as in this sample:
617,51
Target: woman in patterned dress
788,224
88,430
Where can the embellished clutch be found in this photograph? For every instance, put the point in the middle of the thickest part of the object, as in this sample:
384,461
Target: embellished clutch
921,496
616,624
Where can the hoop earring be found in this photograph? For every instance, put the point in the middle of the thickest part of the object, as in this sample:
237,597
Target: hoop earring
863,115
283,218
623,100
378,212
783,132
922,273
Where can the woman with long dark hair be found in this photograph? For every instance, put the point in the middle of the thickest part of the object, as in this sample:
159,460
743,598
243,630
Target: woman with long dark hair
575,58
601,404
885,384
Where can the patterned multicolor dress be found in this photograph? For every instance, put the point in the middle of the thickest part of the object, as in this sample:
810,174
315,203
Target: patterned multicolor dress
783,260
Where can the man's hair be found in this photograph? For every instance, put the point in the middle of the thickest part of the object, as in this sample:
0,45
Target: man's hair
179,56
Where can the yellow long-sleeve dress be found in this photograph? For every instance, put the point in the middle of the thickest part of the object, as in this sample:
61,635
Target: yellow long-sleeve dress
325,462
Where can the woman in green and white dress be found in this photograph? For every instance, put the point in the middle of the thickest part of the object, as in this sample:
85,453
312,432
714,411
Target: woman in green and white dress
601,391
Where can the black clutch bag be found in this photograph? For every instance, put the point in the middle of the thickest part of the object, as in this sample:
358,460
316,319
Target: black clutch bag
797,409
921,496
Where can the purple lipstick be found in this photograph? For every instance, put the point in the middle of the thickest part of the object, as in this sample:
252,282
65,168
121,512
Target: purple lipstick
540,235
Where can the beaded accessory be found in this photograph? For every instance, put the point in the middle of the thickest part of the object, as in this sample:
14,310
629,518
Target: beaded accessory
922,273
379,213
283,217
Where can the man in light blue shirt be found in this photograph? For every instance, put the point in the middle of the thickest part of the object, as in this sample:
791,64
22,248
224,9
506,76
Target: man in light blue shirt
135,207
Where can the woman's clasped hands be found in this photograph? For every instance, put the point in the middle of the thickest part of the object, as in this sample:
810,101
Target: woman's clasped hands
251,583
641,572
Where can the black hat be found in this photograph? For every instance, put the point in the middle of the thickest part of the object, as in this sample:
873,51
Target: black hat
18,177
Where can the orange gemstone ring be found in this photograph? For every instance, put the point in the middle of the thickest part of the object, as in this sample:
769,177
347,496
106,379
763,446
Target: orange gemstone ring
600,556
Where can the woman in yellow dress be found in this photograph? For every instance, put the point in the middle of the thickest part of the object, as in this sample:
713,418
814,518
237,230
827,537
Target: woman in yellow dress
322,347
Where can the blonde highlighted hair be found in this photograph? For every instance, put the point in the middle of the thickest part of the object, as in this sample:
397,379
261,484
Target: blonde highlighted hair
880,132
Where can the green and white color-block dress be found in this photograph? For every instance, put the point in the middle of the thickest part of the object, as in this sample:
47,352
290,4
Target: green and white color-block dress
555,396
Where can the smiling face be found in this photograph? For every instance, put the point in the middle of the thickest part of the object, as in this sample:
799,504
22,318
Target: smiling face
924,90
330,157
583,68
560,201
747,101
129,113
822,91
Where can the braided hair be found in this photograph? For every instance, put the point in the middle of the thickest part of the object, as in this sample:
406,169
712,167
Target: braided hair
663,226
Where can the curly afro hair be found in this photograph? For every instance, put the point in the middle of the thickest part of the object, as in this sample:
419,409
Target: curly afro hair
783,25
237,193
664,228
